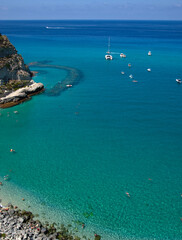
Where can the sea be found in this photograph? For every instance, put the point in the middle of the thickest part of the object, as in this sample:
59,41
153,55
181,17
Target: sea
107,152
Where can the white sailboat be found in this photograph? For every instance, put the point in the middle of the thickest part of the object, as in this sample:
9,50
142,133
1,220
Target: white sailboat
108,56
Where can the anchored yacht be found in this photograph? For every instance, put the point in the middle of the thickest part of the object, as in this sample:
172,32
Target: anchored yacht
108,56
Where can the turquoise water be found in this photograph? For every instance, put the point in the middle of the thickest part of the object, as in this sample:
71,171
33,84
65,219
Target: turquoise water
80,152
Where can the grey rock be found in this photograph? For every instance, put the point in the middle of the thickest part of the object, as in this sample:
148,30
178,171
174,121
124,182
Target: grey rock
11,212
21,220
43,230
18,226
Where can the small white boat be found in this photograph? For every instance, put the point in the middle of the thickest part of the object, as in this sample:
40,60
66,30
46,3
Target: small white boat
68,85
149,53
122,55
178,80
122,73
149,69
131,76
108,56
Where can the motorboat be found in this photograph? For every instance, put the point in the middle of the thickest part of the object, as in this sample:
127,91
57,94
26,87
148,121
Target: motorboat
149,69
149,53
178,80
131,76
122,55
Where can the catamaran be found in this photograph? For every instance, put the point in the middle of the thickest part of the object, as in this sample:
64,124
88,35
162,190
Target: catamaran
108,56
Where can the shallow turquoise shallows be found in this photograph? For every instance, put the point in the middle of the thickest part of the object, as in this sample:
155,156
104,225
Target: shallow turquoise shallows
79,153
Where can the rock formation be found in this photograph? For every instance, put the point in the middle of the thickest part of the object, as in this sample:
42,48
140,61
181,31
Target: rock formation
12,66
14,75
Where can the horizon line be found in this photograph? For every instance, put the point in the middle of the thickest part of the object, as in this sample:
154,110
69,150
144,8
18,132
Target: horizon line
91,19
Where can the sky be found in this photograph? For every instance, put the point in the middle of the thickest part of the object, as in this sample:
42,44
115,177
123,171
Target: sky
91,9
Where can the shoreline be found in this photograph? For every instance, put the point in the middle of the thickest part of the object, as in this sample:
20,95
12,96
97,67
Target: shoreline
12,195
20,224
17,223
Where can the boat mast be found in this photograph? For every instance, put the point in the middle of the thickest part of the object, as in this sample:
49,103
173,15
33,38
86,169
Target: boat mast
109,44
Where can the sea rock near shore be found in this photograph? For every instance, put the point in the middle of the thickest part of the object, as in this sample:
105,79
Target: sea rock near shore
22,93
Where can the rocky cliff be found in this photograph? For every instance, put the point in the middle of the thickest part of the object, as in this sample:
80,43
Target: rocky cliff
14,76
12,66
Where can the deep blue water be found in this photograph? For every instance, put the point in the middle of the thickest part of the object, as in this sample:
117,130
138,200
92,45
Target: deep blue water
80,152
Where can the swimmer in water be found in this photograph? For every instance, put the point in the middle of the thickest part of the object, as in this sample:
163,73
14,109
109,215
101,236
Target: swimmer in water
127,193
6,177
